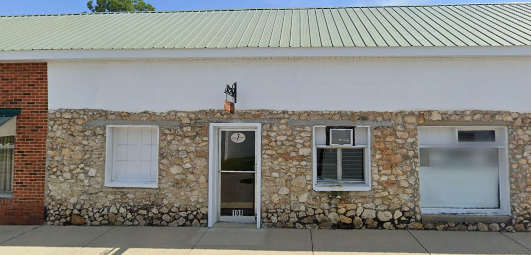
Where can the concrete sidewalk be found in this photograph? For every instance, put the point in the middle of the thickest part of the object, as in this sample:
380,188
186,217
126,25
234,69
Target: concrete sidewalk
26,240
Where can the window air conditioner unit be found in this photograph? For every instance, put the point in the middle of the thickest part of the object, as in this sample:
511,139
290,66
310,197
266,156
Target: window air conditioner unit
341,137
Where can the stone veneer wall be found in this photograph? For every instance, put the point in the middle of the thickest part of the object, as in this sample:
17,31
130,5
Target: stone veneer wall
76,156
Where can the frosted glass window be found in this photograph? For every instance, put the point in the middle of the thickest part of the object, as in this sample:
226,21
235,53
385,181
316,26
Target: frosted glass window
461,177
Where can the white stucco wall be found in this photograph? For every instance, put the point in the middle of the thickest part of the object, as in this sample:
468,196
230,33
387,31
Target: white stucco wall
363,84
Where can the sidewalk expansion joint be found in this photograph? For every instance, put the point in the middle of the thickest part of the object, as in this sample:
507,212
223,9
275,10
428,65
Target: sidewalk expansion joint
36,227
503,234
198,239
418,242
98,237
311,240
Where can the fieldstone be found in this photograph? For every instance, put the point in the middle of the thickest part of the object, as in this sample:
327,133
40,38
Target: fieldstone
385,216
397,214
368,214
358,222
345,219
303,198
334,217
299,181
283,191
305,151
78,220
494,227
482,227
415,225
435,115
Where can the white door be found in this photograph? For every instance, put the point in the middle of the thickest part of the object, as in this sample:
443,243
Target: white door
234,178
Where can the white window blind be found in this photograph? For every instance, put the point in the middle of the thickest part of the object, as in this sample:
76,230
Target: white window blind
134,156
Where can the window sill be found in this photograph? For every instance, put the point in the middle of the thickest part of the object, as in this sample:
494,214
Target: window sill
360,187
6,195
124,184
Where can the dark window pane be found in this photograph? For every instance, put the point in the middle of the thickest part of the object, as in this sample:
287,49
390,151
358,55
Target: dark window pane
352,160
476,136
237,154
237,194
327,164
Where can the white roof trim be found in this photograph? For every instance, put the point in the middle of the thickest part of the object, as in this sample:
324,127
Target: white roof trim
471,51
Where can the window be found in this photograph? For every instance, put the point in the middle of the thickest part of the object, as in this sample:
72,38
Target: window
463,170
341,158
8,124
132,156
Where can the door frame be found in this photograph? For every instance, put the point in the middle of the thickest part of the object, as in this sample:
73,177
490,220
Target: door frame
214,176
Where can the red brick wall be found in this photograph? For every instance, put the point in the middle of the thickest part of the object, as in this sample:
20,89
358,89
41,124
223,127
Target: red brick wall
25,86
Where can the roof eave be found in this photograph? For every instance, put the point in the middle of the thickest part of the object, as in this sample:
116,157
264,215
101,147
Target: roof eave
384,52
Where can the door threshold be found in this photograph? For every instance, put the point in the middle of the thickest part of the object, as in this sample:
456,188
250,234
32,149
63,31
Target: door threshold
223,224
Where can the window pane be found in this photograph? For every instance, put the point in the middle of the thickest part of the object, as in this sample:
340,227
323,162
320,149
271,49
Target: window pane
352,164
237,150
476,136
237,194
456,158
326,165
7,152
459,178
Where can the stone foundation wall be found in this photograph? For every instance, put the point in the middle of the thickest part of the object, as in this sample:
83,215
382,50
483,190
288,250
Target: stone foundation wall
76,169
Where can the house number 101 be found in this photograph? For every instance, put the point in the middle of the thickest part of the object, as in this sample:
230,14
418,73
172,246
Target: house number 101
237,212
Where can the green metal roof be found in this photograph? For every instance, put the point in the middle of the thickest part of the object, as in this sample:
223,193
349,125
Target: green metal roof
385,26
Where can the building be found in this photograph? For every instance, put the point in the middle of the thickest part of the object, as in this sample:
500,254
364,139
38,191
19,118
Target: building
358,117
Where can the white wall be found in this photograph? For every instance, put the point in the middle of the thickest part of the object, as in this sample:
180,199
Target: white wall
296,84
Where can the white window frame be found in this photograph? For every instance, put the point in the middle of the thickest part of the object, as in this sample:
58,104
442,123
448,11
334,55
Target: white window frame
109,182
342,186
500,143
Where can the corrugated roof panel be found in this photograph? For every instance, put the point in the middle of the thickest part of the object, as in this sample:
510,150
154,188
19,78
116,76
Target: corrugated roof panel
411,34
227,33
343,33
353,31
393,28
285,35
333,29
488,26
504,26
305,29
371,29
524,24
470,30
387,26
455,37
295,40
326,41
315,37
427,30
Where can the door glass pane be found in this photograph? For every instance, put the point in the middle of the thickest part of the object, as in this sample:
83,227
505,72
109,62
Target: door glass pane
237,194
237,151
